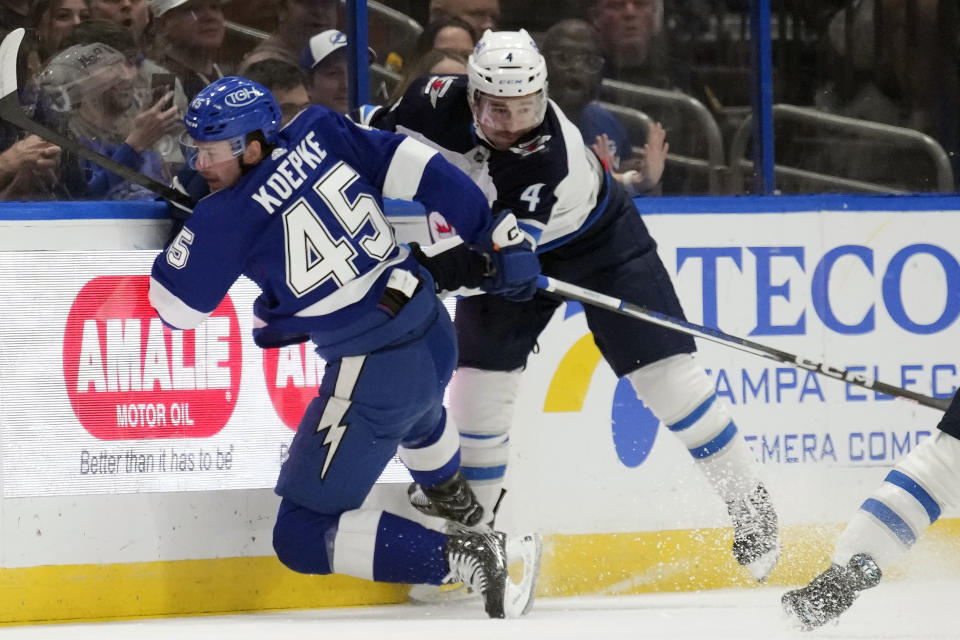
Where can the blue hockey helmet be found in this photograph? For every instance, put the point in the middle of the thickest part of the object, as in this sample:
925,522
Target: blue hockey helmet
232,107
225,112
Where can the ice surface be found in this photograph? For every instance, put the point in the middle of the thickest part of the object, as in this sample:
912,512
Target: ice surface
915,610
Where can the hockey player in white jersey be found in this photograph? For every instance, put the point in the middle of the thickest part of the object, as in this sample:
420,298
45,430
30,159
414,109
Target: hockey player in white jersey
498,125
910,499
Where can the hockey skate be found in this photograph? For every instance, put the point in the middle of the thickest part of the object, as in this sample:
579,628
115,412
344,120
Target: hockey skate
452,500
455,502
832,592
479,560
755,542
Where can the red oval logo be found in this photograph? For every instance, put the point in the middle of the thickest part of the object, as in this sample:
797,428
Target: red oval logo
129,377
293,377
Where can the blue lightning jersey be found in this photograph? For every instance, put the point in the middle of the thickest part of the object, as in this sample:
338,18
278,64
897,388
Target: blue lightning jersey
307,226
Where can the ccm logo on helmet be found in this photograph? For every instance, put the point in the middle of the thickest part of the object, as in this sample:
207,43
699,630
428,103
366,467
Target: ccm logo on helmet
241,97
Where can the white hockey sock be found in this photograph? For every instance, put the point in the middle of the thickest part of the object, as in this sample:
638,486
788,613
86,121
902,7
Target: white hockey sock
908,501
482,404
679,392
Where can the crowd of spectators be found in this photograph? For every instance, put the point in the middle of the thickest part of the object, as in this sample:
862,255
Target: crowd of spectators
116,75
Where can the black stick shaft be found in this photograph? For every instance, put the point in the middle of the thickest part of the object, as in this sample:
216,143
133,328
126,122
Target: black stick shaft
856,378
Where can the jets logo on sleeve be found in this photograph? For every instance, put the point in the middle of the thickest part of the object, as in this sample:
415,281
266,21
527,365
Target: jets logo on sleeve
529,147
437,87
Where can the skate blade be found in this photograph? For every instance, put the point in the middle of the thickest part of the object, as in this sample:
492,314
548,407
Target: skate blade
526,550
799,619
431,594
763,566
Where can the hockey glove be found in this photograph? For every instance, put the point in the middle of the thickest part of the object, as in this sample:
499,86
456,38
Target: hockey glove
512,266
267,337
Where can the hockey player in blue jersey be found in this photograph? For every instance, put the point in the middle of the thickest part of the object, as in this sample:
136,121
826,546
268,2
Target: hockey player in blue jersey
299,212
910,499
497,124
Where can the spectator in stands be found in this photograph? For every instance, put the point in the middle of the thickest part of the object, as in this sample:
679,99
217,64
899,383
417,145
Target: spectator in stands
286,82
297,21
480,14
117,11
150,85
449,34
53,21
261,15
93,85
14,14
189,34
631,36
140,23
439,62
574,64
895,63
324,60
29,169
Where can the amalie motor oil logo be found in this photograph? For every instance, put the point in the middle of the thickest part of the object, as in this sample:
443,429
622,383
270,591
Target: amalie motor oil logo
130,377
293,376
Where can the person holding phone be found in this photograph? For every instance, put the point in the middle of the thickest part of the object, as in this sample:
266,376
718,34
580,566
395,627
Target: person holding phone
93,86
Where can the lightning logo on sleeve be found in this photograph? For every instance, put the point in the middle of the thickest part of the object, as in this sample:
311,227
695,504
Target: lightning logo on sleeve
337,407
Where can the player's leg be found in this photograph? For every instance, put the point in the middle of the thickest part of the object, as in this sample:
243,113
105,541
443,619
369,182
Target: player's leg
439,489
347,435
910,499
345,439
495,336
661,367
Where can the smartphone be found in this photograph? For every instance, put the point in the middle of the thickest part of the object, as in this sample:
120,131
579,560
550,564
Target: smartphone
161,84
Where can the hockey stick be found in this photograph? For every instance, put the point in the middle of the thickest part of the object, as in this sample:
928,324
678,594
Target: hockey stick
587,296
11,112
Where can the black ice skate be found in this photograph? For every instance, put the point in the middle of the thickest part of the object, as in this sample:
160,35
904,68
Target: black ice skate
755,542
832,592
453,500
479,560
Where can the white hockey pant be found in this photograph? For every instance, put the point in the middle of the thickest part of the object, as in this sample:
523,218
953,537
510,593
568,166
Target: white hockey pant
909,500
680,394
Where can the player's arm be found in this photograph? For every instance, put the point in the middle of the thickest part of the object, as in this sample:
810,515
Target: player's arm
405,169
529,192
193,274
406,110
503,263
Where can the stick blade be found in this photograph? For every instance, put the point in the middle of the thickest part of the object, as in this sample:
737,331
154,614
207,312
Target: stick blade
9,49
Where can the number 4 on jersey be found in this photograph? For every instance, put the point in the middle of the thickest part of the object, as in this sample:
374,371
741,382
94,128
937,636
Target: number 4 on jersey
531,195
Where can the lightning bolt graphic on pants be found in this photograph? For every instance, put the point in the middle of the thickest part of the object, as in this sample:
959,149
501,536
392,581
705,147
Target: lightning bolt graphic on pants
332,416
337,406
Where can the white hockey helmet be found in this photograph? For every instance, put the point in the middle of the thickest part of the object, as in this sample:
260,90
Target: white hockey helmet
508,64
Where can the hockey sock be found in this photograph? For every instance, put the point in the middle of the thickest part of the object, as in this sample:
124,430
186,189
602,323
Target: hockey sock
435,458
364,543
909,500
680,394
482,404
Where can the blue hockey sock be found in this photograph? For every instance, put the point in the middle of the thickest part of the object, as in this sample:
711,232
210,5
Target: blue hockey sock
364,543
435,458
409,553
